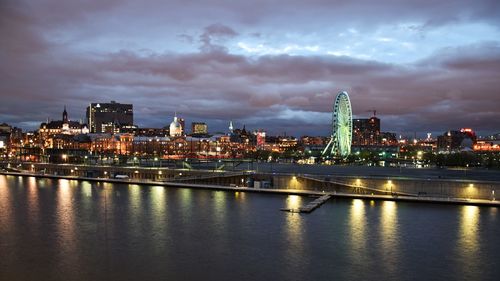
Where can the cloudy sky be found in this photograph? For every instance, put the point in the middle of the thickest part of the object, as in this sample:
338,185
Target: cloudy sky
424,65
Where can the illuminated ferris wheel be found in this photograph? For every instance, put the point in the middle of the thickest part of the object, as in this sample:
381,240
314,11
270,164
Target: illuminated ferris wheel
341,138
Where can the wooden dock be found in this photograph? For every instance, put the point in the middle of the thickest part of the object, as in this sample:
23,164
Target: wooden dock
311,206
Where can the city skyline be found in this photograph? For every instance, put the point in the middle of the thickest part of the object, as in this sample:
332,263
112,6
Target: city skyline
428,67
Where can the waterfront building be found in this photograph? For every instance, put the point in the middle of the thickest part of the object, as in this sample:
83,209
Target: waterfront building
64,126
152,146
109,117
147,132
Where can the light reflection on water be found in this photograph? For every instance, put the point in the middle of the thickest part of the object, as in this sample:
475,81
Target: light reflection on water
240,196
186,234
294,232
219,205
158,221
293,202
134,191
468,238
158,203
357,227
186,202
86,189
32,201
135,211
469,227
390,236
5,206
66,225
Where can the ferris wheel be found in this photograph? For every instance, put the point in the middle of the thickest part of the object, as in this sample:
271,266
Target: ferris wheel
341,138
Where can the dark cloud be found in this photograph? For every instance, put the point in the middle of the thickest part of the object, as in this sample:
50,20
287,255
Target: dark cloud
214,33
455,87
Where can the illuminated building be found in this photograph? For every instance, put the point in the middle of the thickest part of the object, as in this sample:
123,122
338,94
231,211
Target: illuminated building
152,146
240,135
64,126
366,131
5,128
175,127
287,143
261,138
456,140
199,128
487,146
109,117
316,141
387,138
5,132
469,132
148,132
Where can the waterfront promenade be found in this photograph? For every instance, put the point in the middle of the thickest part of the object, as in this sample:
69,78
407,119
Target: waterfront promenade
303,192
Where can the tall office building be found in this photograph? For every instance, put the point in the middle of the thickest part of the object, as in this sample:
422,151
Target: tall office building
366,131
109,117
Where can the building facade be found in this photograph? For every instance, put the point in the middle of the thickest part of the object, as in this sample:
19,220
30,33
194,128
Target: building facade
366,131
199,128
176,129
64,126
109,117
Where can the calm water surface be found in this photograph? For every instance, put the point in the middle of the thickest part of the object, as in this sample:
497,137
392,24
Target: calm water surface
72,230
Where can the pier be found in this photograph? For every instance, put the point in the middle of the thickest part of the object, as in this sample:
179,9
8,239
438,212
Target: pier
311,206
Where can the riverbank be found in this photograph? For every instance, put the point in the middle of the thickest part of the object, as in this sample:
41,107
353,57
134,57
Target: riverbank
423,199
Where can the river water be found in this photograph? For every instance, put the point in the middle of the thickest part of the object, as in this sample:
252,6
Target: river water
78,230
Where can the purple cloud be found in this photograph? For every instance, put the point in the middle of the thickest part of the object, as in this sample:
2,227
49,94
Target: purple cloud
46,65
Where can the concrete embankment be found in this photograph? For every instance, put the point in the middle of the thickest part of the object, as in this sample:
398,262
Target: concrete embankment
334,194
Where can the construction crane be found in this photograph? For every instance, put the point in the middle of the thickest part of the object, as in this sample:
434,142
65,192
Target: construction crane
374,112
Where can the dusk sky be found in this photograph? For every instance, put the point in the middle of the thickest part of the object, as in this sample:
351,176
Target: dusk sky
423,65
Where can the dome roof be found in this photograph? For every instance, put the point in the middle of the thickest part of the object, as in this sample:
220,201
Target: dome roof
175,128
175,123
